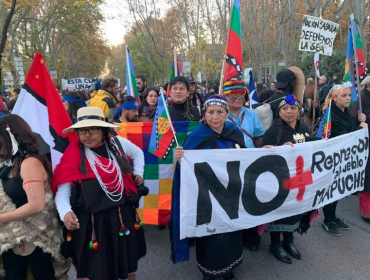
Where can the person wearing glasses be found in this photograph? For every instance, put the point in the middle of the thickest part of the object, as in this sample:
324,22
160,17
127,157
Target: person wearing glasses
323,89
96,196
242,117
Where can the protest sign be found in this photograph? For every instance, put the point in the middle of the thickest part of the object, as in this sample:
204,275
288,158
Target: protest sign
318,35
233,189
78,83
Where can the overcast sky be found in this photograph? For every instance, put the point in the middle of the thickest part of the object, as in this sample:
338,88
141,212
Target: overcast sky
118,20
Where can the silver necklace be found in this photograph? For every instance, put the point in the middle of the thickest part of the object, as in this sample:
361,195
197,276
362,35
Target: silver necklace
93,158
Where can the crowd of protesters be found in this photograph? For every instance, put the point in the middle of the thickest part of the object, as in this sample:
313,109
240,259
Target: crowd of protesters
97,189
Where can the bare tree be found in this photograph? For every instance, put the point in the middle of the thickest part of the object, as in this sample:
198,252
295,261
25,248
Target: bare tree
4,33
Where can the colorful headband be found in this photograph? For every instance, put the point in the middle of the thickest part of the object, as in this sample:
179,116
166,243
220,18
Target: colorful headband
72,99
334,91
290,99
216,100
234,87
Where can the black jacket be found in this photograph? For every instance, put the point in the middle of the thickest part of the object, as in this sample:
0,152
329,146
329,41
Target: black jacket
178,112
342,122
323,92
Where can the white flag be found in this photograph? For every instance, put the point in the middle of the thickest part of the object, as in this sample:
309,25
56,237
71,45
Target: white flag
316,62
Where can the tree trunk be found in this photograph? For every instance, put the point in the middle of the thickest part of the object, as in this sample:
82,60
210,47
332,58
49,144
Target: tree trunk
4,35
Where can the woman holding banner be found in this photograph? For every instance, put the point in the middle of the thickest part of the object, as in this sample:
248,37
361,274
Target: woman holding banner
342,122
287,129
96,197
217,254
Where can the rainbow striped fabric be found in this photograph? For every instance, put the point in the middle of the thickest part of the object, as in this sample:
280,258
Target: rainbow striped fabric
155,208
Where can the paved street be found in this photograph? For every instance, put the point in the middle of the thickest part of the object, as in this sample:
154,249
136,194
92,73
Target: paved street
324,256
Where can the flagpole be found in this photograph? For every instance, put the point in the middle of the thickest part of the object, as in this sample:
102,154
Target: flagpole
169,118
175,62
328,119
314,109
356,62
222,75
225,51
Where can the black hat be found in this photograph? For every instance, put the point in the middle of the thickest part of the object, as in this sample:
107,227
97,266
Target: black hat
284,77
190,80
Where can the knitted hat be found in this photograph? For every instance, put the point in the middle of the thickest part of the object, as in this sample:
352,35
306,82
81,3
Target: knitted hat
216,100
234,87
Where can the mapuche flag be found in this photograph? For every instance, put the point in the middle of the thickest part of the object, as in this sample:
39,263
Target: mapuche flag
40,105
130,77
162,136
350,74
234,60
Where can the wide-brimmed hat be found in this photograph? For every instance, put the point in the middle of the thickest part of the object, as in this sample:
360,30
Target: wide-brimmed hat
366,81
89,117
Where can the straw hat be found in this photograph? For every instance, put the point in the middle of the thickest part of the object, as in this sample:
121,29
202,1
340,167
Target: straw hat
366,81
299,83
88,117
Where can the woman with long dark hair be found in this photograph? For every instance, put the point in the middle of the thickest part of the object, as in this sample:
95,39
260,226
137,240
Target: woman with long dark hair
149,105
72,102
29,218
96,197
287,129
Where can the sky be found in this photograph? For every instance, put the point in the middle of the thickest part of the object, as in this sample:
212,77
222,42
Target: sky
118,21
113,29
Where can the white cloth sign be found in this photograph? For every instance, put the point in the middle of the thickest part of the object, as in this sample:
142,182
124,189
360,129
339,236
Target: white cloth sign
318,35
78,83
232,189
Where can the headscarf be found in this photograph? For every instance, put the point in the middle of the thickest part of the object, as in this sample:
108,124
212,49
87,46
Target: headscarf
290,99
334,91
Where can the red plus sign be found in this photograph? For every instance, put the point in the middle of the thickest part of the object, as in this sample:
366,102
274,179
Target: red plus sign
300,180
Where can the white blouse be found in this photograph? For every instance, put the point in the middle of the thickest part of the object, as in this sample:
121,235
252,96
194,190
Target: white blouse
63,195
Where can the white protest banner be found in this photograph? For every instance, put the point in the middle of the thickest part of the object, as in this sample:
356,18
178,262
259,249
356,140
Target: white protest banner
227,190
78,83
318,35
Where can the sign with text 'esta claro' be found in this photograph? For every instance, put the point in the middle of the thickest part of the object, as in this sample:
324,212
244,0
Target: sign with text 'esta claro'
318,35
232,189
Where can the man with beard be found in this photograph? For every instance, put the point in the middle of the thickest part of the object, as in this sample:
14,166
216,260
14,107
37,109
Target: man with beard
141,85
106,98
128,112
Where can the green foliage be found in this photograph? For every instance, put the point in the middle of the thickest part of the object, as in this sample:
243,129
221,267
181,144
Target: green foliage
329,65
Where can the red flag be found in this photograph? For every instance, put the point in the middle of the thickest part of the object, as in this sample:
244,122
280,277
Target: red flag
234,60
40,105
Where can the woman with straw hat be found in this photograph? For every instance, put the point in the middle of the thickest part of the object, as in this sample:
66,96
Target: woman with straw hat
96,197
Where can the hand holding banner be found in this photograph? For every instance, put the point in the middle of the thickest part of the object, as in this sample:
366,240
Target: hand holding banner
258,186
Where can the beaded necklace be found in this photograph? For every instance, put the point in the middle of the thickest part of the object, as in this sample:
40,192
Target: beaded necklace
114,189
